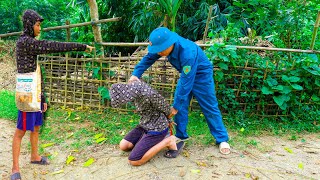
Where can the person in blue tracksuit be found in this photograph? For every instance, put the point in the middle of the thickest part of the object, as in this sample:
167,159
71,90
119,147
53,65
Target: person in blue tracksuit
196,79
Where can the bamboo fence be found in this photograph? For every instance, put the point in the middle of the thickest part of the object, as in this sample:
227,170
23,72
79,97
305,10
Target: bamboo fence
74,83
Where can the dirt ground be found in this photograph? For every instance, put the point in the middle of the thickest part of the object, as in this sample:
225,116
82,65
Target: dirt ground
7,75
280,158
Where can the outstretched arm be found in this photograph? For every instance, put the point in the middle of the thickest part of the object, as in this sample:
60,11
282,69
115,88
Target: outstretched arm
142,66
45,47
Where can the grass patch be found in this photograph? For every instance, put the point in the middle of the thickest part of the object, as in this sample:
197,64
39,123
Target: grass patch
8,109
76,130
255,125
198,130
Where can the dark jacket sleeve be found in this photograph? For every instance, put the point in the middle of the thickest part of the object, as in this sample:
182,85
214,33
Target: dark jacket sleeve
144,64
45,47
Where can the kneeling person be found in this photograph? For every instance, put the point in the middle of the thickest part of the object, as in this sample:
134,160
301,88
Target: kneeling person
149,136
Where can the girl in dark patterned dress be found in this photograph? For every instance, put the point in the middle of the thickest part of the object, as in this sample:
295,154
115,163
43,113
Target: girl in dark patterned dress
149,137
27,50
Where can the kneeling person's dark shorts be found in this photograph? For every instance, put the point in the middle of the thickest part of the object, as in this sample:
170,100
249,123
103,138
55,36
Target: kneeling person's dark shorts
143,141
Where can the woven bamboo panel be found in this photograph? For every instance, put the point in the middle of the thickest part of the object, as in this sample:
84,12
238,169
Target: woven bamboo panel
74,83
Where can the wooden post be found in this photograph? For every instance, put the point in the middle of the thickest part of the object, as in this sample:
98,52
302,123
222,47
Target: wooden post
83,64
315,29
68,35
75,79
165,21
66,83
68,31
207,25
94,17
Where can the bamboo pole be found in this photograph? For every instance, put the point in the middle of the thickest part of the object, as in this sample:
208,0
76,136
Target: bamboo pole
264,78
124,44
51,84
315,29
91,68
75,83
66,84
68,31
128,73
100,97
207,25
67,26
82,85
119,66
208,45
242,77
94,17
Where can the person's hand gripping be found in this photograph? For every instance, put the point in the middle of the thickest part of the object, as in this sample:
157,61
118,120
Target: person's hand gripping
89,48
132,79
173,112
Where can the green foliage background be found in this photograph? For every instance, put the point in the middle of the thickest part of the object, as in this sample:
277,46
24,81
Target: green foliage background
284,24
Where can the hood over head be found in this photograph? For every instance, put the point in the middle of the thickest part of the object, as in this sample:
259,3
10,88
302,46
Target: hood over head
121,94
29,19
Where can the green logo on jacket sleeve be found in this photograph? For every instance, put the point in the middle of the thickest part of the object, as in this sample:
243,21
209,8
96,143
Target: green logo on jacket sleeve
186,69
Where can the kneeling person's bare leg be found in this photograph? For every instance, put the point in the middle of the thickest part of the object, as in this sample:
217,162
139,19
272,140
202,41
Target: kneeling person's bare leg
125,145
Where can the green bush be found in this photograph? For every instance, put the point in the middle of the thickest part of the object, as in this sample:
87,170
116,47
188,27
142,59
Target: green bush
272,85
8,109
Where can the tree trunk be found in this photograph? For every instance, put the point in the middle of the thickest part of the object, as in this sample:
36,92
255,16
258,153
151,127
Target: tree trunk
94,14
